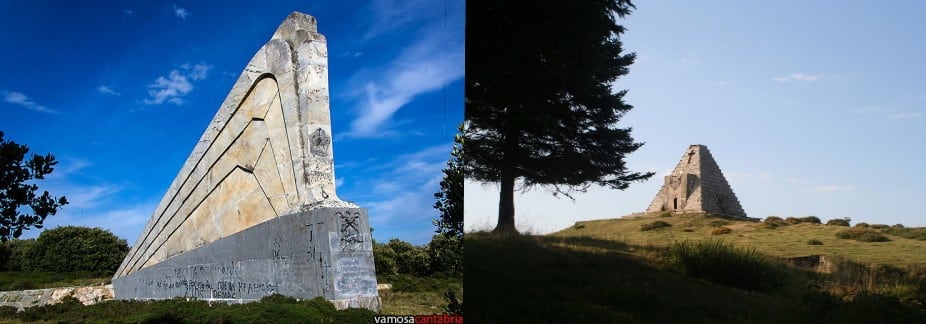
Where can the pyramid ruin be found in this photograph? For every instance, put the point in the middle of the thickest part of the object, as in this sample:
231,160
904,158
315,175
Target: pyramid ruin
697,186
253,212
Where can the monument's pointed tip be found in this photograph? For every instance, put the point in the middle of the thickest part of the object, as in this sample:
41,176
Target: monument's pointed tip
295,22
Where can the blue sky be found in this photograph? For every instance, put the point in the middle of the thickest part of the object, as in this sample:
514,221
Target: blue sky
809,107
120,92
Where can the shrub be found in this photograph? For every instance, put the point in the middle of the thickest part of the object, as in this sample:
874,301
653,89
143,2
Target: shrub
721,230
879,226
862,224
792,221
814,242
445,254
722,263
810,220
384,259
409,258
838,222
654,225
774,222
76,248
898,226
862,235
914,233
13,254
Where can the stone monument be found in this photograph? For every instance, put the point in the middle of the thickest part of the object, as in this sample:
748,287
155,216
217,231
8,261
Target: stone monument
697,186
253,211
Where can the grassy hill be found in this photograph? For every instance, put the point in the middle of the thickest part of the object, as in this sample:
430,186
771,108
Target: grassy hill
781,241
611,271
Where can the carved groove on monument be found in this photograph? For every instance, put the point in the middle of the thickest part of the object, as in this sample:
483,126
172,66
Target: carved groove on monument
273,174
254,211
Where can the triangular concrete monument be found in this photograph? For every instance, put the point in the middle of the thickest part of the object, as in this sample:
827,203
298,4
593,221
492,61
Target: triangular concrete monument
253,211
697,186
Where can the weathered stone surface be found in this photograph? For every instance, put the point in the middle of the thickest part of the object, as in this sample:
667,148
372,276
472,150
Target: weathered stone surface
321,252
87,295
266,153
697,186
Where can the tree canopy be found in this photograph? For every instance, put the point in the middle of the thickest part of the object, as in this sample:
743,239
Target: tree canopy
540,103
17,191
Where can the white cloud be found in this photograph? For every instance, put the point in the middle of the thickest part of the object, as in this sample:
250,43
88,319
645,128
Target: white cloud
905,115
197,71
181,12
402,196
422,68
176,85
18,98
825,189
433,60
107,91
799,77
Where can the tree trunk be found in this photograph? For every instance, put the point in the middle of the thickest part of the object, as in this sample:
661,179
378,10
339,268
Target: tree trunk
506,205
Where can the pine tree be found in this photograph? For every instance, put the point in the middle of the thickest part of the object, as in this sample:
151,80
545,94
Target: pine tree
539,101
16,192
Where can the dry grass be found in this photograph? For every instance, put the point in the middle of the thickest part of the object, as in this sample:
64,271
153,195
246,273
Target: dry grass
783,241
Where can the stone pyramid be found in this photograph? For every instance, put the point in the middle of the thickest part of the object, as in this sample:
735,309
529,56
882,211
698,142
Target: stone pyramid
697,186
253,211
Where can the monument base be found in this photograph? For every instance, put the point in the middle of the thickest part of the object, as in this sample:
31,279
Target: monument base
324,252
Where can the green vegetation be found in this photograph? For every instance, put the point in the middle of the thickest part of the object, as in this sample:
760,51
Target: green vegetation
721,230
814,242
838,222
609,271
20,206
720,262
21,280
76,248
918,233
271,309
862,234
654,225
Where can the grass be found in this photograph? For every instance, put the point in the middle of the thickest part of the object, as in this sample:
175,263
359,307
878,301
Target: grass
654,225
862,234
781,242
412,295
22,280
566,278
409,295
271,309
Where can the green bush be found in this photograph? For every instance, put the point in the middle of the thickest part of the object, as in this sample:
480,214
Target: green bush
721,230
409,258
654,225
774,222
862,235
814,242
792,221
810,220
384,259
914,233
879,226
719,262
445,254
13,252
862,224
838,222
76,248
